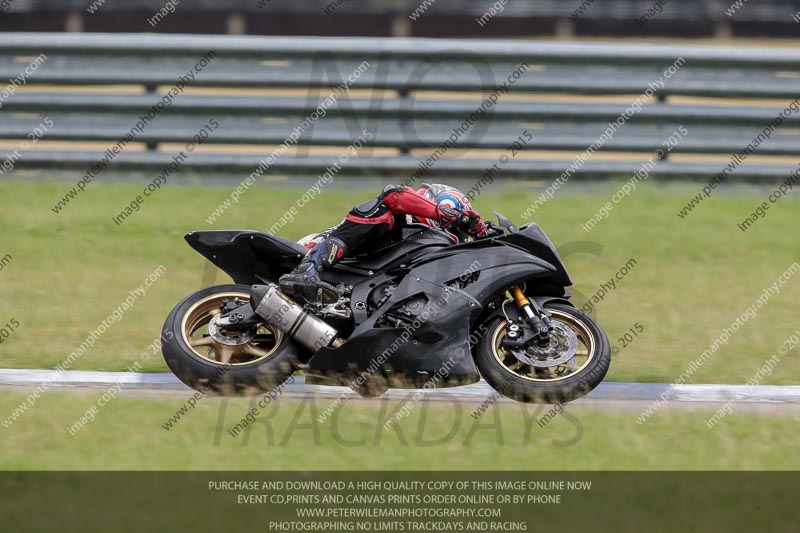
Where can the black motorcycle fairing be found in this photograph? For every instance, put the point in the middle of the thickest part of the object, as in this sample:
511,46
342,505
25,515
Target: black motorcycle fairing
247,256
251,257
466,271
456,287
533,239
361,293
482,271
451,284
438,346
415,240
418,240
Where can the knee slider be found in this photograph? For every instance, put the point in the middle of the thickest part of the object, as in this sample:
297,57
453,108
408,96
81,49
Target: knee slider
331,251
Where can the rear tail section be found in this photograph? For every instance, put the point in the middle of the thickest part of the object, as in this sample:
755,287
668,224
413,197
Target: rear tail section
249,257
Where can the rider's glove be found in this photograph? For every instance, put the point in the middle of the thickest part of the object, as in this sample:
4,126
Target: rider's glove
448,216
471,223
492,230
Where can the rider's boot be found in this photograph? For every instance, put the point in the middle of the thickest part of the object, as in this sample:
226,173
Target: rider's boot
304,280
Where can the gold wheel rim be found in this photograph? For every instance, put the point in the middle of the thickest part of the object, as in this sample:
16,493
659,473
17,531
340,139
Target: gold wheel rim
194,328
586,349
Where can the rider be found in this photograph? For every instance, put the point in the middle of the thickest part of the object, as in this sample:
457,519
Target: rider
436,205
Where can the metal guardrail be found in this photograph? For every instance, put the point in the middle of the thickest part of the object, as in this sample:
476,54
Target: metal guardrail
682,10
397,168
399,123
414,114
512,18
406,64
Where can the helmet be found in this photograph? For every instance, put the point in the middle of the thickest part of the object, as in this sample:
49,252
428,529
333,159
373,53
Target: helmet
445,194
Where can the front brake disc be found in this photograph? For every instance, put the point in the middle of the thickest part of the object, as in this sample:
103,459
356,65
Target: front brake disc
563,347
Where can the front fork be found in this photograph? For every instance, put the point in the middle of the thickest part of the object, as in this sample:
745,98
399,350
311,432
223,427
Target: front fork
536,316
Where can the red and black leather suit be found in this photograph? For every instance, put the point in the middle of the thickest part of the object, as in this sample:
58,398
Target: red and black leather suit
372,221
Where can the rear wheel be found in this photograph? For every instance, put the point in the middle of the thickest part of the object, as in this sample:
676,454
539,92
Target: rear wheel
208,358
577,362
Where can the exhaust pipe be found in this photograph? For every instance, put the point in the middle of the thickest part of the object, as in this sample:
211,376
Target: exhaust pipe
285,314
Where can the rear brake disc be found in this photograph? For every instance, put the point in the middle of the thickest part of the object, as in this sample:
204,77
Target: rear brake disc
228,337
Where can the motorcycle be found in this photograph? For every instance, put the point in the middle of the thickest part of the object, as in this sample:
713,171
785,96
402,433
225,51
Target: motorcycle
417,312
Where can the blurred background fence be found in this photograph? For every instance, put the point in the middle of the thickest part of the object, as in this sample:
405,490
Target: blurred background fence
430,108
433,18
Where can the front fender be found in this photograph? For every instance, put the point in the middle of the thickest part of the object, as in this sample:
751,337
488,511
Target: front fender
543,300
512,312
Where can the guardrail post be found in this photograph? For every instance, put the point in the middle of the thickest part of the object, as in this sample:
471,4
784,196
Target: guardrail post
151,89
403,95
236,24
73,22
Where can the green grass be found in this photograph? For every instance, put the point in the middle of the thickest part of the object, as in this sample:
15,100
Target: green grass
693,277
128,434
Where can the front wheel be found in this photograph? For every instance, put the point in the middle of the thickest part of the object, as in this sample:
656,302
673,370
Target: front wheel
209,359
577,365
